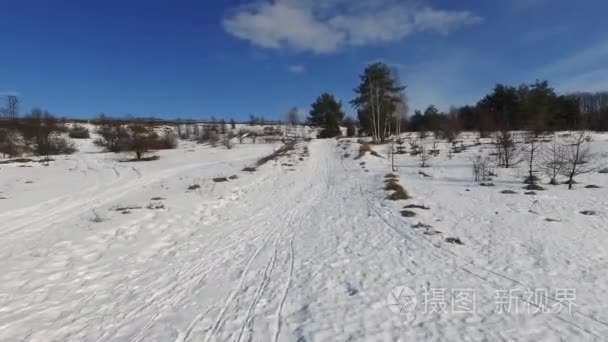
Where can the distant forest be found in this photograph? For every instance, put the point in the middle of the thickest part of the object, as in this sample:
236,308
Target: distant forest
535,107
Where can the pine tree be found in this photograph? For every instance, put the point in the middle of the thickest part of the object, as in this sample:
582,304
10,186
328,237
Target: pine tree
377,97
326,112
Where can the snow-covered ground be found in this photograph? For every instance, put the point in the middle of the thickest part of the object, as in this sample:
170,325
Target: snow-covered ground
307,248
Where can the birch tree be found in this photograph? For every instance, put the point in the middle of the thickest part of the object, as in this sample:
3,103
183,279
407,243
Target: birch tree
377,97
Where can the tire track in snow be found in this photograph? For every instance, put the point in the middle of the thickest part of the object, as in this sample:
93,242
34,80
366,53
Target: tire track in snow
259,291
189,278
197,268
220,318
287,215
287,286
311,196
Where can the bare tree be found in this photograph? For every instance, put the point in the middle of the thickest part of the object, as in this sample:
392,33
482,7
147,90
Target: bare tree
12,106
552,161
531,149
9,127
506,148
577,157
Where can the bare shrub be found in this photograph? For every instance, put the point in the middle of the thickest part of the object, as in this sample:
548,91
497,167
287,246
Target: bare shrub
365,148
228,141
141,140
42,132
166,141
246,133
79,132
9,140
209,136
114,136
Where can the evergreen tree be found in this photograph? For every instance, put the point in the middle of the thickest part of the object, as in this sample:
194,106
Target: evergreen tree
326,112
377,97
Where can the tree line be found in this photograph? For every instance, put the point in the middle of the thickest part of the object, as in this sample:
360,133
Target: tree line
382,110
381,106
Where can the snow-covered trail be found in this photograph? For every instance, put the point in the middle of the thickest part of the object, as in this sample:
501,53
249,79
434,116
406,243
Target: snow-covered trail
303,253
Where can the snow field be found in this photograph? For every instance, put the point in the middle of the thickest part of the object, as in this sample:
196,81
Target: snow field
304,250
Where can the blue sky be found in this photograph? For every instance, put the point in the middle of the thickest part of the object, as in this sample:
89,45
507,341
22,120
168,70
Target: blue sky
234,58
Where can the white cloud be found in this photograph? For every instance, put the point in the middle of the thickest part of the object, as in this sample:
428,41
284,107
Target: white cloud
297,69
329,26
